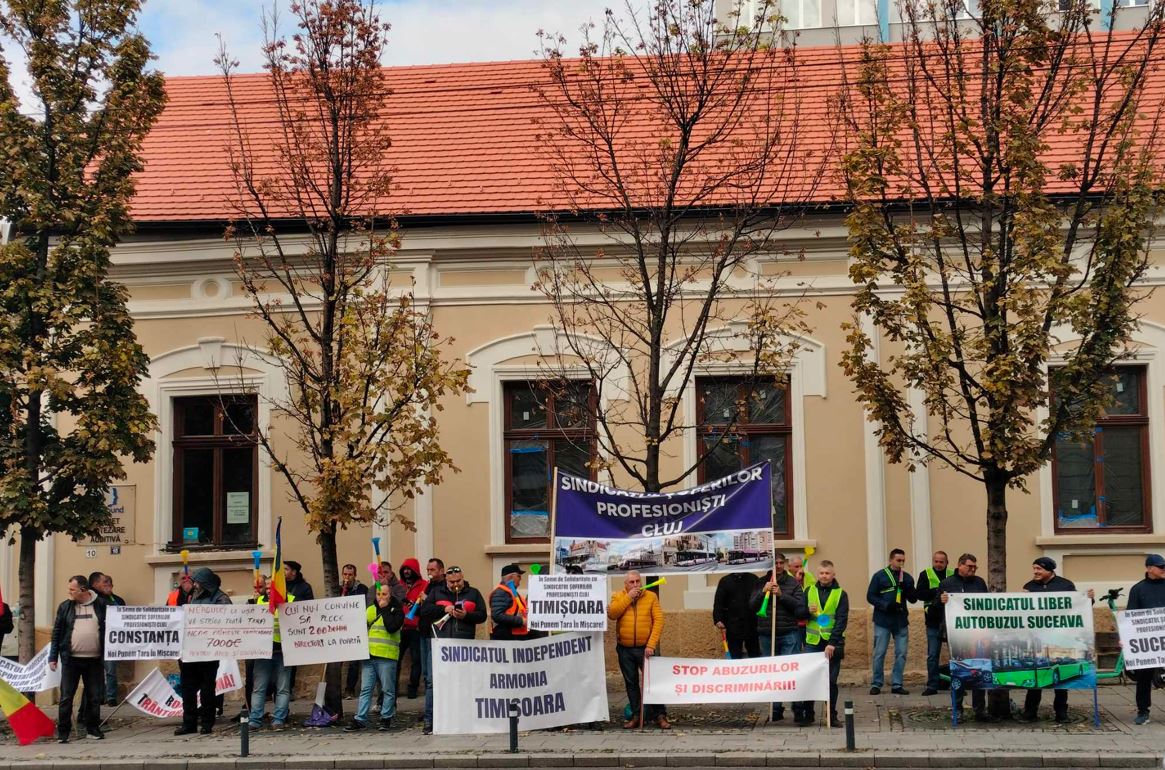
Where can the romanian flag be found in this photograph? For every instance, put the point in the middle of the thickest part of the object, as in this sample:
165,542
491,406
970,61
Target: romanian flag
25,719
278,594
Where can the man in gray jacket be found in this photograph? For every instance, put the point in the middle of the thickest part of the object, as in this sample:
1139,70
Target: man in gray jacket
198,678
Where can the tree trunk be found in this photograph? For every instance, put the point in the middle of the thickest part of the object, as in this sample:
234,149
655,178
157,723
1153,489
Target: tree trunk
26,627
333,692
998,701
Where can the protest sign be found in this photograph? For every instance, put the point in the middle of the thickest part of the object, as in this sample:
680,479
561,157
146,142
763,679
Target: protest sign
324,630
143,633
567,603
219,631
34,676
556,681
756,680
155,697
1142,635
721,526
1021,640
227,679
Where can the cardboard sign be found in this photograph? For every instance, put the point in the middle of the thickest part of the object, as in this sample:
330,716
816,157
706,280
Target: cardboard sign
560,680
1142,634
563,602
324,630
757,680
221,631
143,633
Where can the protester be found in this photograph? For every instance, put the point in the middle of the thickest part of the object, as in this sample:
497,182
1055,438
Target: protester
926,590
965,581
796,568
786,605
296,585
270,670
198,678
827,609
733,615
508,608
435,569
181,591
7,621
351,586
1147,594
455,609
889,591
78,643
103,585
385,619
638,626
410,639
386,576
262,590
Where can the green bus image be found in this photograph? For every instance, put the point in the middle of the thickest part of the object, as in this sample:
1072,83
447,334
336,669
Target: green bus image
1044,672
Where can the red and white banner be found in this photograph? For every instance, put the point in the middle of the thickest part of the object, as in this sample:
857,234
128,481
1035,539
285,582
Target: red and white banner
755,680
155,697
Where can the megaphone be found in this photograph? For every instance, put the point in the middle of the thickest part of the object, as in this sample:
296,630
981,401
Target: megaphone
662,581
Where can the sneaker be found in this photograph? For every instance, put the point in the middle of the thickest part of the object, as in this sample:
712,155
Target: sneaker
355,725
1061,718
427,730
875,691
930,691
205,730
253,726
900,691
1142,718
62,739
384,726
96,735
278,726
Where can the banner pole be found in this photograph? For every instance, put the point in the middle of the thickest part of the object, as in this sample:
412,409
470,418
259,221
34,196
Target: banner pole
553,518
129,695
954,704
642,691
772,600
1095,707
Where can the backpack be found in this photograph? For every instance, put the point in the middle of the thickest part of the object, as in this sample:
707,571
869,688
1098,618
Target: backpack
6,624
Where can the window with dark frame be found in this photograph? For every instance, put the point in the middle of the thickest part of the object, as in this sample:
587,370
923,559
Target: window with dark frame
547,424
1102,483
216,465
743,422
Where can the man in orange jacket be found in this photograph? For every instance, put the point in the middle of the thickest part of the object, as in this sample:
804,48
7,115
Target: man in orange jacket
638,626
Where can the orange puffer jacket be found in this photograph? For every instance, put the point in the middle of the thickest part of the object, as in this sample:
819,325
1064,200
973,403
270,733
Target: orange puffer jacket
637,624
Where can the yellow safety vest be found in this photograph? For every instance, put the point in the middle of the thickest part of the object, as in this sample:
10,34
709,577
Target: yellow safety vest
815,629
933,579
263,600
381,644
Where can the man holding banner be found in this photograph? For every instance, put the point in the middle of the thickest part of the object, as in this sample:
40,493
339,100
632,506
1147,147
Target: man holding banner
1045,580
828,609
965,581
1147,594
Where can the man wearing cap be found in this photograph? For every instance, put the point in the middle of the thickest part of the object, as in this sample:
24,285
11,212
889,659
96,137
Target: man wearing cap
454,609
1146,595
1045,580
508,608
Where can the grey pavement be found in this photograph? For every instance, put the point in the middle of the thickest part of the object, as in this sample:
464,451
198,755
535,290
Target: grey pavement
890,731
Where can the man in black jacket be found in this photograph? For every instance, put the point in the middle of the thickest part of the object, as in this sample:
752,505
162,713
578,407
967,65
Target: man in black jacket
1147,594
435,569
786,606
827,608
965,581
78,643
198,677
733,615
889,591
926,590
296,585
1045,580
454,609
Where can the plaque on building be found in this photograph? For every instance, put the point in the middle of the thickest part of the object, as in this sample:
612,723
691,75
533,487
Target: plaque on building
121,501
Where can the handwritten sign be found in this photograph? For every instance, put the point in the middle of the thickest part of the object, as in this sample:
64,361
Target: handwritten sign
227,631
324,630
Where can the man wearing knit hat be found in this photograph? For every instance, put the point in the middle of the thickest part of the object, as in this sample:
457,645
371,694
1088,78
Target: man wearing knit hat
1045,580
1146,595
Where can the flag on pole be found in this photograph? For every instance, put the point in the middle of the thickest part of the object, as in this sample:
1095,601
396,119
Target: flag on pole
25,719
278,592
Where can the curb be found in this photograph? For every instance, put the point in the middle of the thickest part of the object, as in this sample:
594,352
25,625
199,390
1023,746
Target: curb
836,759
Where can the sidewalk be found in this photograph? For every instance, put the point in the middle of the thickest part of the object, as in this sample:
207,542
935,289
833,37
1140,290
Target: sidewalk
891,731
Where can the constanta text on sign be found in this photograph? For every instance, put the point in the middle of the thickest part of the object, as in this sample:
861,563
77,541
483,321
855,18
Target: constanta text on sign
563,602
756,680
1142,634
555,681
219,631
324,630
143,633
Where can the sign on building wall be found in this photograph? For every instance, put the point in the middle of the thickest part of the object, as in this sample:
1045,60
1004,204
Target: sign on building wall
724,525
565,602
324,630
122,503
221,631
143,633
757,680
1142,634
1022,640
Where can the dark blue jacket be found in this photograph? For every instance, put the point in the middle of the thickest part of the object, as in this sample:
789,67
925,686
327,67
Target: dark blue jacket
883,594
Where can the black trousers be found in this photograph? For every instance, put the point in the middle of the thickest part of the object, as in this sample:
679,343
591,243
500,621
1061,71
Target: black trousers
742,646
410,642
834,670
1144,678
198,681
1031,703
91,673
978,700
630,664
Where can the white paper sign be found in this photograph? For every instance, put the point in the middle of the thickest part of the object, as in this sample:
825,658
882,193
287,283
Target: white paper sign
34,676
143,633
219,631
238,507
155,697
756,680
1142,634
556,681
564,602
324,630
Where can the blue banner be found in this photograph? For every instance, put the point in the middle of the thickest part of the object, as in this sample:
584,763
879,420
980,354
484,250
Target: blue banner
720,526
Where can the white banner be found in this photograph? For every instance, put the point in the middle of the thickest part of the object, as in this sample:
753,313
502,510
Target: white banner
757,680
556,681
228,678
324,630
155,697
143,633
34,676
218,631
562,602
1142,634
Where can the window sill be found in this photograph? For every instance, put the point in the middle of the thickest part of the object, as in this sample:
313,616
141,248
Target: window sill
541,550
1112,539
204,557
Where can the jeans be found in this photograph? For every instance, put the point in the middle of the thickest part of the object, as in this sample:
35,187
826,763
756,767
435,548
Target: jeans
111,680
934,647
410,642
87,671
787,644
265,671
881,644
381,670
630,664
427,670
198,681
